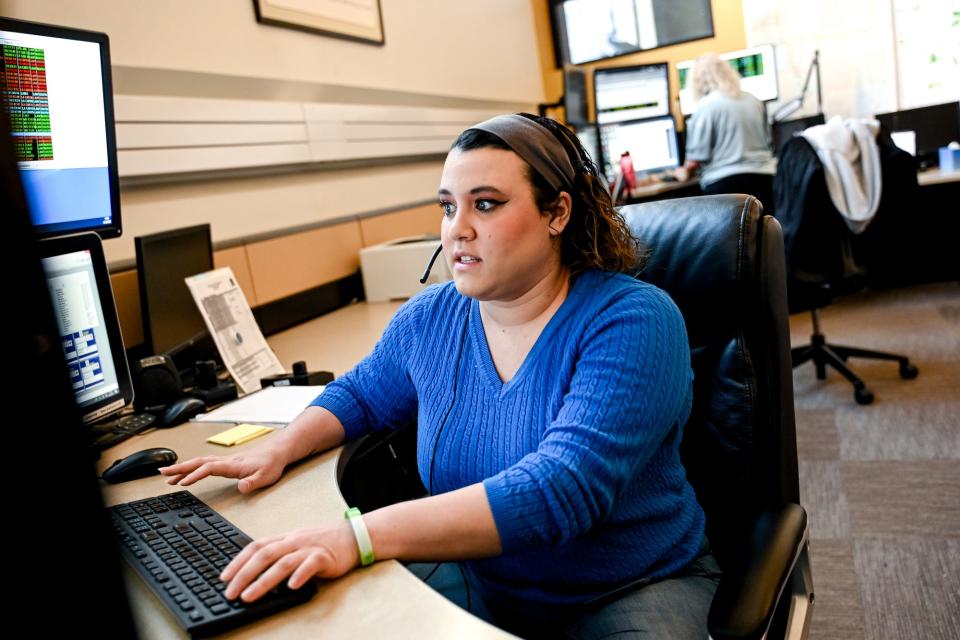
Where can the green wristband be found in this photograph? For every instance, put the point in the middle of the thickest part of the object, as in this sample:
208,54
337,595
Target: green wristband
361,534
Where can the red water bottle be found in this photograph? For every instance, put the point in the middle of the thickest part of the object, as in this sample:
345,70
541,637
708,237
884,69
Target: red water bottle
626,169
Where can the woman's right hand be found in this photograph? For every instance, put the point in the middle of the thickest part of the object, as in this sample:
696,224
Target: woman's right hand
254,470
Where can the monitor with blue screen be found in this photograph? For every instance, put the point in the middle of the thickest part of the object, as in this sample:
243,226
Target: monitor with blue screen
56,84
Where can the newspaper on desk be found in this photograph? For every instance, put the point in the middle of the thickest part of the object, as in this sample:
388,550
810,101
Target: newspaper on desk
228,317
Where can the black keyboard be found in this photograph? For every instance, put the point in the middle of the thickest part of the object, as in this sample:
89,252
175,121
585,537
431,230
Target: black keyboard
179,546
106,434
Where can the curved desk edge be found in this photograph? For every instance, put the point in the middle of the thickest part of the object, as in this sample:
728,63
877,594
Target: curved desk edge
369,602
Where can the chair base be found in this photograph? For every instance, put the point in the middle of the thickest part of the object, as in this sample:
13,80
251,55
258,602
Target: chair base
825,354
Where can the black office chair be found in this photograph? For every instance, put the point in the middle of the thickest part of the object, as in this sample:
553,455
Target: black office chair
824,259
721,261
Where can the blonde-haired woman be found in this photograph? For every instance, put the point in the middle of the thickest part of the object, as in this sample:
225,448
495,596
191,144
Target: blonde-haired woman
727,135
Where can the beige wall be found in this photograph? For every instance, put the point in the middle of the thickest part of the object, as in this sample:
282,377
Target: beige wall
857,53
432,46
436,52
246,207
729,35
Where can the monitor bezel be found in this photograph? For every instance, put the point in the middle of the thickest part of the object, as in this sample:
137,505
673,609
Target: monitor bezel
607,161
561,40
611,71
88,241
142,244
115,228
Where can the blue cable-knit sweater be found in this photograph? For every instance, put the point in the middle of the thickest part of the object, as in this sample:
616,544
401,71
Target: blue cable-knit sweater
578,452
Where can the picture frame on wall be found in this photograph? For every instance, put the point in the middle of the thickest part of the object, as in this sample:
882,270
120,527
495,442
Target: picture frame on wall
358,20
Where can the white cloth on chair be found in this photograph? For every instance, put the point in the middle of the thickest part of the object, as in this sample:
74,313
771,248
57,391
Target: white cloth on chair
847,148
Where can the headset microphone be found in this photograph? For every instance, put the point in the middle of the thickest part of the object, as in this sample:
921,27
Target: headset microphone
426,274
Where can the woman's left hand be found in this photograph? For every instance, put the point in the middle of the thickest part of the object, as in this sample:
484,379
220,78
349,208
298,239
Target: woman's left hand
326,551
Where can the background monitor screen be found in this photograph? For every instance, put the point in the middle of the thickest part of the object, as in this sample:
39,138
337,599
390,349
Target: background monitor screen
79,286
652,145
591,30
575,96
56,84
631,93
590,140
756,66
172,324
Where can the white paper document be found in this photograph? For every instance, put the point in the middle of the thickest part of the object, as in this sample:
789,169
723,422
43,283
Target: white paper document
270,406
230,321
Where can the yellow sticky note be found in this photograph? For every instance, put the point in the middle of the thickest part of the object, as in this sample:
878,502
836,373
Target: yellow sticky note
239,434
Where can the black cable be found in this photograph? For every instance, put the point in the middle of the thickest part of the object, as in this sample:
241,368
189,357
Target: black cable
432,571
456,379
466,583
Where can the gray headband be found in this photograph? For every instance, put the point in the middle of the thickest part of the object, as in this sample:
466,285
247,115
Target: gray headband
536,145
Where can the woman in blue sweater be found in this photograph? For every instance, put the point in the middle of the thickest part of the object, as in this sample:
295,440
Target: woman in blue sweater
550,392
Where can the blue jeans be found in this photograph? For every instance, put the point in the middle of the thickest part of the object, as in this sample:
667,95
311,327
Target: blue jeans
674,607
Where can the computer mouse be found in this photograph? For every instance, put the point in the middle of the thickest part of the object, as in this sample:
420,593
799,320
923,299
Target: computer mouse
139,465
180,411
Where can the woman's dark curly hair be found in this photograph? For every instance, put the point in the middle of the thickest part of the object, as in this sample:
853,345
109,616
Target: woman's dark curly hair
597,236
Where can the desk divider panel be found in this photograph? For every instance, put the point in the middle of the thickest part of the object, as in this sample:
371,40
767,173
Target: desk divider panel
236,258
126,295
290,264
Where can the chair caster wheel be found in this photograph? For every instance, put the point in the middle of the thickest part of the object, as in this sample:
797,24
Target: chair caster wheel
863,396
908,371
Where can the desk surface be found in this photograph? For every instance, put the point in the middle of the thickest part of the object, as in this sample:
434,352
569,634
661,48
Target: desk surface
384,600
658,187
937,176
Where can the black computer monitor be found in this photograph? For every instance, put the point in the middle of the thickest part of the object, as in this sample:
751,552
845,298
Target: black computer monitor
575,96
67,545
172,324
784,130
590,30
652,145
89,329
934,127
56,82
631,93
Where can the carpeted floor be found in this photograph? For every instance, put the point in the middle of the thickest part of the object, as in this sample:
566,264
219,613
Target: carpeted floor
881,483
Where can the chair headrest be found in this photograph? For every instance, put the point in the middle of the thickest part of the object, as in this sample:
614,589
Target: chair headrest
699,249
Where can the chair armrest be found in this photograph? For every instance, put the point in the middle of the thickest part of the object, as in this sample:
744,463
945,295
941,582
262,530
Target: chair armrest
749,591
